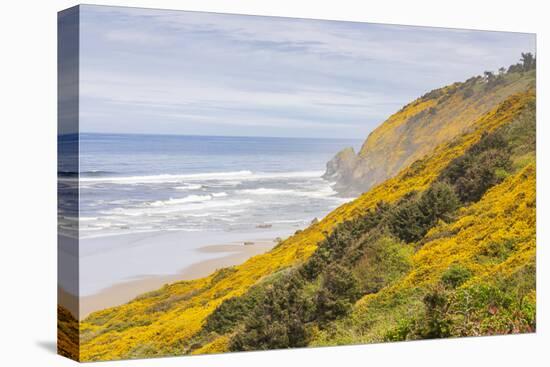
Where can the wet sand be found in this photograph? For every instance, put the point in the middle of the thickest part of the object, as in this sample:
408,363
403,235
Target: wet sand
236,253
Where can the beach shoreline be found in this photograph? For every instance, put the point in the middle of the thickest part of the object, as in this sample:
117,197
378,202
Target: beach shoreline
123,292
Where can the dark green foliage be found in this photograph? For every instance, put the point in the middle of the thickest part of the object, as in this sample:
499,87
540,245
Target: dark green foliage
481,176
528,62
436,323
489,77
340,282
493,80
231,312
515,68
339,290
412,218
338,244
278,319
455,276
439,202
407,221
479,168
489,161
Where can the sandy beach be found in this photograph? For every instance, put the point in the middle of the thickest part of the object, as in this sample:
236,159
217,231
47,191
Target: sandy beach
155,209
221,255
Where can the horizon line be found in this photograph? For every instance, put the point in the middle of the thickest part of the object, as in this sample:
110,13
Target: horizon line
203,135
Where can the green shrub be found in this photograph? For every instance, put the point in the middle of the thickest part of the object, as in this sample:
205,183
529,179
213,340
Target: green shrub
455,276
278,319
228,314
480,168
402,331
339,290
436,322
384,259
413,217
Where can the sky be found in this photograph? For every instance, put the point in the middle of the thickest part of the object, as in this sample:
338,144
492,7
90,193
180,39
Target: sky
191,73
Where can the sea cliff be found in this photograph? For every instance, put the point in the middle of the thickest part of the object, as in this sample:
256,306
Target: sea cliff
415,130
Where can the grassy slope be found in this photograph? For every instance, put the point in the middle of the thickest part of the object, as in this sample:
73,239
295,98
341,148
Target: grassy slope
393,310
162,322
505,215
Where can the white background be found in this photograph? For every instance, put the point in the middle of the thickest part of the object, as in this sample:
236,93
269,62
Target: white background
28,182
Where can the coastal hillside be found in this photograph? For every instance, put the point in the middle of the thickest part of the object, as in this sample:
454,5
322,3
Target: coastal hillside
442,247
414,131
456,258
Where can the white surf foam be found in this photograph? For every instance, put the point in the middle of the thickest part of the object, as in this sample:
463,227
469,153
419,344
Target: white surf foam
181,206
187,199
189,187
319,193
267,191
214,176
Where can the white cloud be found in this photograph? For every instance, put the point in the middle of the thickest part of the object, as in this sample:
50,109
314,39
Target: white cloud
276,75
134,36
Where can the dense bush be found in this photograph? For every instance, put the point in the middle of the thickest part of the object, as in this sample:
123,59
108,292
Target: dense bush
384,259
528,62
412,218
339,290
278,319
231,312
338,246
480,168
407,221
436,323
504,306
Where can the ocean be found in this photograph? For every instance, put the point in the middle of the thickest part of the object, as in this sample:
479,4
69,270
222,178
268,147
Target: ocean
141,183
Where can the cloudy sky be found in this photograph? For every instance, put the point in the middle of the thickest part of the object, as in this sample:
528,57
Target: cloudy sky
174,72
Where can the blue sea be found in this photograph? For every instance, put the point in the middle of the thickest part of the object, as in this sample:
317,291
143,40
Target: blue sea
140,183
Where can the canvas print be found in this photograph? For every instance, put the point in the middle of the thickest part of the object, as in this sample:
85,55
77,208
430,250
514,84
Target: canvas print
237,183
